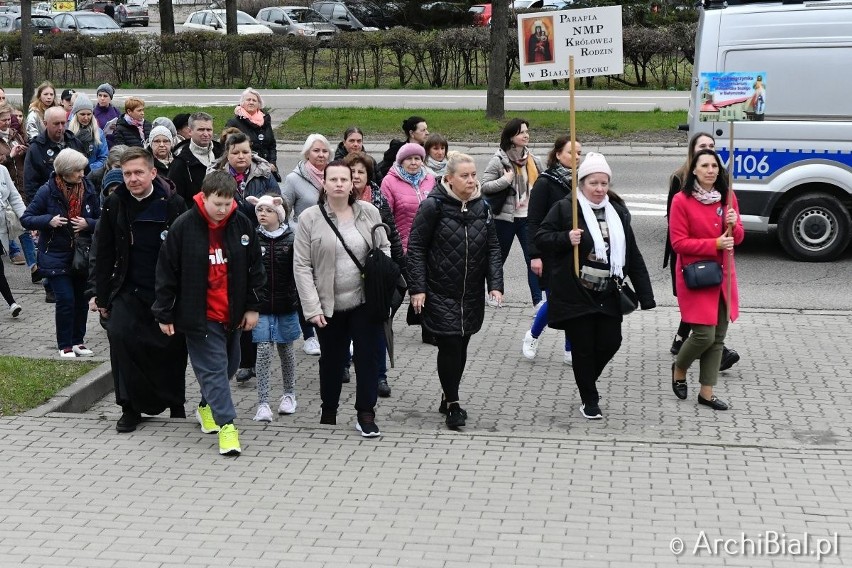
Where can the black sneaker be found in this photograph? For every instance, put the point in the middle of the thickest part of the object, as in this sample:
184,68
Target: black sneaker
591,411
366,424
384,388
346,375
676,345
455,416
128,421
729,359
442,408
49,297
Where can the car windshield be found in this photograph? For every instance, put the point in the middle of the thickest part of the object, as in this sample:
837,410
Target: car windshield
242,19
95,22
39,22
305,16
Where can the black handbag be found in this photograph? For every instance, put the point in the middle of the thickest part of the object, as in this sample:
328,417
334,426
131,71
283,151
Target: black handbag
702,274
80,262
497,200
628,301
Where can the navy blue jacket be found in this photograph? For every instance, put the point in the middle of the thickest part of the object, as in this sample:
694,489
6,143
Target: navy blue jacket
38,165
55,244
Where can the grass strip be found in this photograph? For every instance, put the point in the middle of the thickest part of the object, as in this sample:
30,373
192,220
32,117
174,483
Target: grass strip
27,383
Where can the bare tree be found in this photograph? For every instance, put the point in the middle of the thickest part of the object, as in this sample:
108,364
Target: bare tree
495,106
231,30
28,81
167,17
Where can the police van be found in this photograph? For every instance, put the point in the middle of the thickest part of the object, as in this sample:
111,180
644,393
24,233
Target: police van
792,164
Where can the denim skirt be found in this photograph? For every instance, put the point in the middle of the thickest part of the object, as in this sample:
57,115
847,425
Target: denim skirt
277,328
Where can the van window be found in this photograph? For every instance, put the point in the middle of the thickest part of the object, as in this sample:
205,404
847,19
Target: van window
829,91
339,13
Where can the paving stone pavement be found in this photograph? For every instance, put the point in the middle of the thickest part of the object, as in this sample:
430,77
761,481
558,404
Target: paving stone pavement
529,482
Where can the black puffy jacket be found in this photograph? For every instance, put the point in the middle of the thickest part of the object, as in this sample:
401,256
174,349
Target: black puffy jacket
277,256
261,138
452,252
547,191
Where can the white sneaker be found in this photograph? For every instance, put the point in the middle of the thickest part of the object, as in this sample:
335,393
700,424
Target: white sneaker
67,353
15,310
492,301
263,414
530,346
82,351
288,404
311,346
566,358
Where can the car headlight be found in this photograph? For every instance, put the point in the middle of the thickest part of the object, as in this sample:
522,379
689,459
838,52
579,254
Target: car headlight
305,32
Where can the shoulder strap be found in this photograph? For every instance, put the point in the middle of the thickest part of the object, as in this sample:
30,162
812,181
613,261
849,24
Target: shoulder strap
340,237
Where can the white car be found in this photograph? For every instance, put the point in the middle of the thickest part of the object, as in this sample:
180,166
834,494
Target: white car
214,21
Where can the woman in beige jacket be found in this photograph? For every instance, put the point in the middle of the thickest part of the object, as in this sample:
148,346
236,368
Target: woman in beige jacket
331,291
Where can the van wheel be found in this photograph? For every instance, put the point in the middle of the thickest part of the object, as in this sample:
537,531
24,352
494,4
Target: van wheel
814,228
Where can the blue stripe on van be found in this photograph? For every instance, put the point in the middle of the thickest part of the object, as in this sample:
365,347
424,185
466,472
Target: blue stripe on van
759,163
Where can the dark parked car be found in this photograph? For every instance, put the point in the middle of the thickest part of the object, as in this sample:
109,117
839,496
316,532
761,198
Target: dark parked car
353,16
86,23
297,20
41,25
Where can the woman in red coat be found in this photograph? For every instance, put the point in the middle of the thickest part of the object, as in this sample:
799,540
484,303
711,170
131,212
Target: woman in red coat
699,215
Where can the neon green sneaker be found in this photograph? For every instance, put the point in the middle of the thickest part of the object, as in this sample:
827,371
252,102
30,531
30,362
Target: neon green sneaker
205,417
229,441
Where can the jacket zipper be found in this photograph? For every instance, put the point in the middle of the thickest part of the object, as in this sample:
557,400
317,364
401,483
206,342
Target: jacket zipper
464,280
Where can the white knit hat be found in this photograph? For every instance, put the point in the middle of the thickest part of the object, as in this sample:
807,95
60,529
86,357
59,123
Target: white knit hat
273,202
593,163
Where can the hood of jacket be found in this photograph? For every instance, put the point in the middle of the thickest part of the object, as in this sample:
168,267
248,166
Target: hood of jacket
199,202
446,193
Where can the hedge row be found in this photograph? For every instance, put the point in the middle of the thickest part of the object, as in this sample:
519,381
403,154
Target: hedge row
399,57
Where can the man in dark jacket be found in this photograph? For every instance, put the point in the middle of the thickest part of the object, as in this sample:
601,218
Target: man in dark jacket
192,157
38,165
209,286
148,368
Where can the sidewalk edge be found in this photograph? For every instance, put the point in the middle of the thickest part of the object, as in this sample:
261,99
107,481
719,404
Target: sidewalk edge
79,396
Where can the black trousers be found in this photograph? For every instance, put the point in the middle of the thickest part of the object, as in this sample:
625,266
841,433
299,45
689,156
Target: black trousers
595,339
248,351
452,357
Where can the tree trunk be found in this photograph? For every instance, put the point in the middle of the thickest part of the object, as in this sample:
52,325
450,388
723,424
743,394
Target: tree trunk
495,106
231,30
167,18
28,81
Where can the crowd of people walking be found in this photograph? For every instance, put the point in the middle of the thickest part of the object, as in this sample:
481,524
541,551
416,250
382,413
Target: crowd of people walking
194,247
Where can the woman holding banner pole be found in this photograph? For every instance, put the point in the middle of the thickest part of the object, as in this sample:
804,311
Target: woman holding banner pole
697,229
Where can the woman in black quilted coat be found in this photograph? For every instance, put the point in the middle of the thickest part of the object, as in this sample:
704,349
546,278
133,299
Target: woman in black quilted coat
452,253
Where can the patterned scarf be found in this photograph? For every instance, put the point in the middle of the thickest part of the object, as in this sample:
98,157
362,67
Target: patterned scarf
315,174
140,124
413,179
240,178
439,168
704,196
256,118
73,195
617,239
562,173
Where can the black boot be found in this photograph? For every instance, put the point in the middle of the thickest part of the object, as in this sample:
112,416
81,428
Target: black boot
384,388
128,421
729,359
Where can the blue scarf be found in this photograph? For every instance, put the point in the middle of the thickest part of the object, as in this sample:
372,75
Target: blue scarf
413,179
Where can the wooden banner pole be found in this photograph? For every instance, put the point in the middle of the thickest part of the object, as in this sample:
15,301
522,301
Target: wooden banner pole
572,124
729,230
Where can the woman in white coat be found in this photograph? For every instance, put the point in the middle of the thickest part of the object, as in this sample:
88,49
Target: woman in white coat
13,206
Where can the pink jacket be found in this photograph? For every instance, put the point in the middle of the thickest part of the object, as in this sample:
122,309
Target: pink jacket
404,200
693,229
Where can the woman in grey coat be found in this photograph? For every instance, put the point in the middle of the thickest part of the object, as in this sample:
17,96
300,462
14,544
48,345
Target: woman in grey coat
301,190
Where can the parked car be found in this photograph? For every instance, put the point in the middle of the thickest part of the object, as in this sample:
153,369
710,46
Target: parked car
297,20
527,4
214,21
86,23
132,12
41,25
94,6
481,14
354,16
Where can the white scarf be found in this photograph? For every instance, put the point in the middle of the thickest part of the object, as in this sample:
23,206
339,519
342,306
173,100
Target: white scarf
204,155
617,241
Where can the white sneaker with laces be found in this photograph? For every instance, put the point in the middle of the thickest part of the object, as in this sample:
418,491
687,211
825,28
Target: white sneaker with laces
530,346
566,358
288,404
311,346
82,351
67,353
15,310
263,414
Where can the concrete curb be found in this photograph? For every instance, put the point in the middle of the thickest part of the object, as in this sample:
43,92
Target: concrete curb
79,396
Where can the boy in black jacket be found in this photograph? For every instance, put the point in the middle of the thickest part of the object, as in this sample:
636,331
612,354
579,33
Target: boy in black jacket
209,286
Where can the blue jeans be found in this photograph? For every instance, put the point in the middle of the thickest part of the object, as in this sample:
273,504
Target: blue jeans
72,309
28,247
506,233
215,357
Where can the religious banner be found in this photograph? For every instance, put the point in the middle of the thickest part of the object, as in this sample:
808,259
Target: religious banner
738,95
547,40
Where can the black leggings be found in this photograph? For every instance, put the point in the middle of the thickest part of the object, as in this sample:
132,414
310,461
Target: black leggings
4,285
452,357
595,339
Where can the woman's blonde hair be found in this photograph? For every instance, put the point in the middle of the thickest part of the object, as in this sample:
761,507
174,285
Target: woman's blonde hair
35,103
455,159
74,126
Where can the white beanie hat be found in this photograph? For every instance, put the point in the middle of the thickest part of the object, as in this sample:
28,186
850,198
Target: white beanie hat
593,163
273,202
159,131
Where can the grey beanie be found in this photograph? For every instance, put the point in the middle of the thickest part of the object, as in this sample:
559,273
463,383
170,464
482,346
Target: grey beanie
167,122
106,88
82,102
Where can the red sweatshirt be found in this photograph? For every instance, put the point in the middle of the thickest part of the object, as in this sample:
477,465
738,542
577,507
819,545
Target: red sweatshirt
217,272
